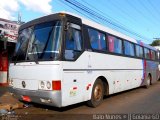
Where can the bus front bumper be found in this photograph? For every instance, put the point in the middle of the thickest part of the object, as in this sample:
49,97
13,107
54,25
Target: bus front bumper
51,98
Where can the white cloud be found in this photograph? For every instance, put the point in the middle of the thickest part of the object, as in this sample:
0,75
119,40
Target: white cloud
9,8
42,6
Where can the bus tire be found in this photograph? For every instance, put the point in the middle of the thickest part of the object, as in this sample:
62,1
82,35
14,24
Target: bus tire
97,94
148,81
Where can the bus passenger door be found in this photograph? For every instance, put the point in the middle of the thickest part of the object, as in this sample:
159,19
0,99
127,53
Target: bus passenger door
74,65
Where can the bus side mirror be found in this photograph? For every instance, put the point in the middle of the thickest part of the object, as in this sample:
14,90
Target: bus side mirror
66,27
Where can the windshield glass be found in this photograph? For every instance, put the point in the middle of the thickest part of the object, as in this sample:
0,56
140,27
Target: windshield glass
40,42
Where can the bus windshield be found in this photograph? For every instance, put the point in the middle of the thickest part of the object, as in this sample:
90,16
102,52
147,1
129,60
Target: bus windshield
40,42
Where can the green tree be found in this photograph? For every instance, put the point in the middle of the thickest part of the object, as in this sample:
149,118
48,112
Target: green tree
155,43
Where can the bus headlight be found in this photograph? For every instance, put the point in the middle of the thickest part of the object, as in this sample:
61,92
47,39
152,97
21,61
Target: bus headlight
42,84
48,85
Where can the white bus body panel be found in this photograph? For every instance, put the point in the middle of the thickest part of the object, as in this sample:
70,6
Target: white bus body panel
89,66
33,73
77,75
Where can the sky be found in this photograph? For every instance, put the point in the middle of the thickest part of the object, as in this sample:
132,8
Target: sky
139,16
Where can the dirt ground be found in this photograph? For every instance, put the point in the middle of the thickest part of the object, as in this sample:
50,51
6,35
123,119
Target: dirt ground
128,103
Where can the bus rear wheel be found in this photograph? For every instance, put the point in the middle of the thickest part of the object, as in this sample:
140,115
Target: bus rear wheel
148,81
97,94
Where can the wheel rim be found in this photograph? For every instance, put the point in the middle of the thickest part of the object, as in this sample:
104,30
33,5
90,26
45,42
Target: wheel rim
97,92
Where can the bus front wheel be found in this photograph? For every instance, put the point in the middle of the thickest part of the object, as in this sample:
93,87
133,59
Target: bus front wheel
97,94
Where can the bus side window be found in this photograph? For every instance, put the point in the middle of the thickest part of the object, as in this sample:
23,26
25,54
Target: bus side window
97,39
128,48
147,53
139,51
115,44
73,42
111,43
153,55
158,56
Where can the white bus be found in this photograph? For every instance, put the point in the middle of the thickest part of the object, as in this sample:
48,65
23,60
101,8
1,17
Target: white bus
63,59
